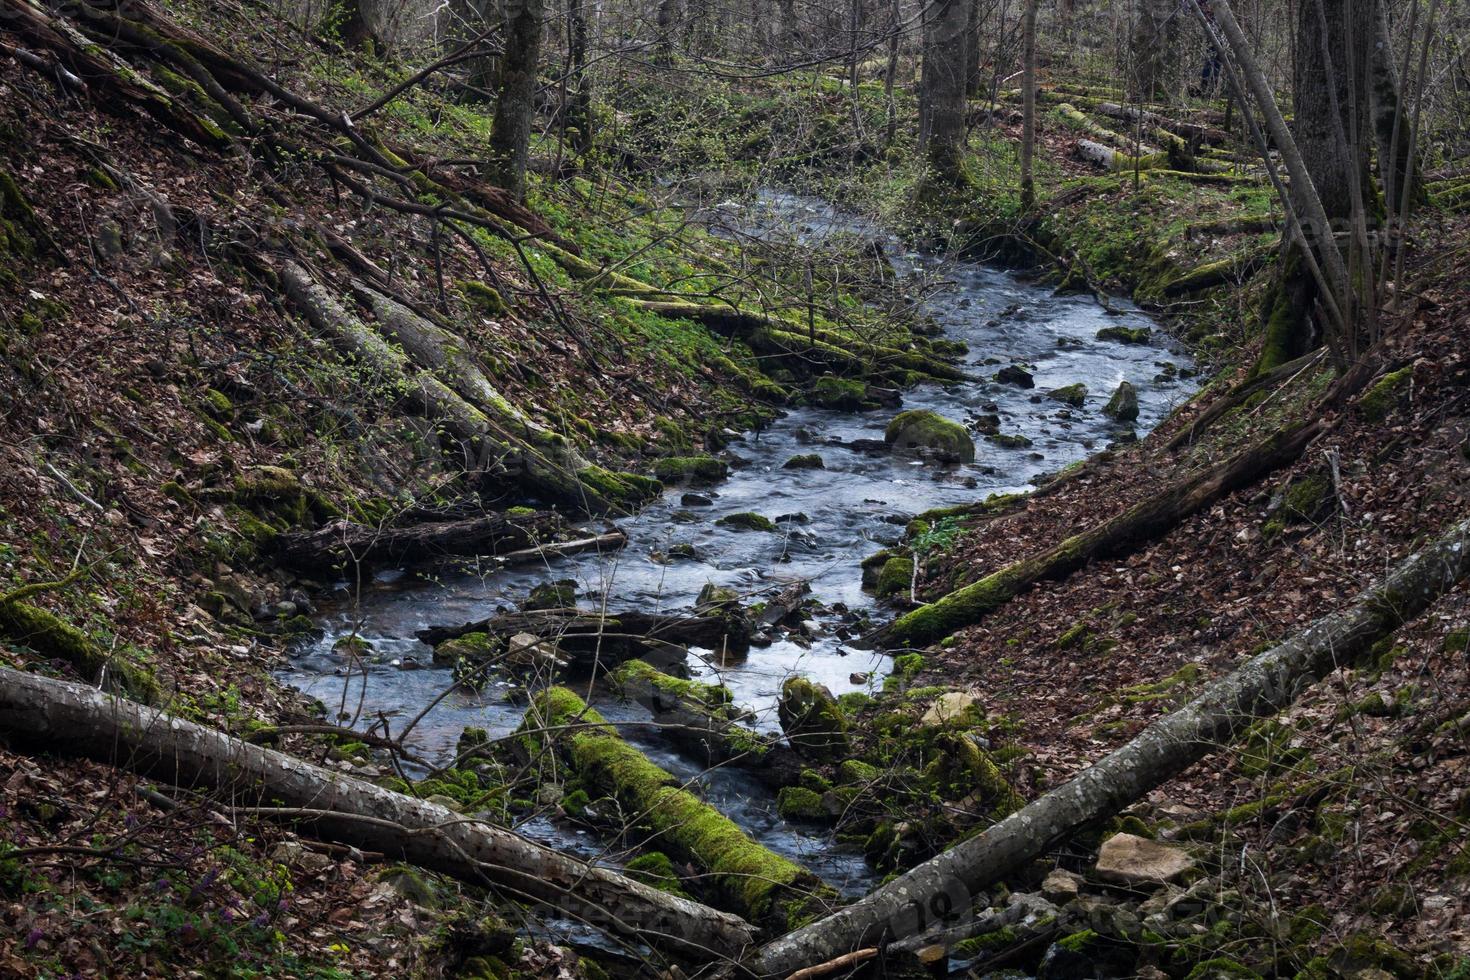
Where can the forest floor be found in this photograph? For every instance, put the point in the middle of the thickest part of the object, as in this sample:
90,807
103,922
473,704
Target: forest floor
165,415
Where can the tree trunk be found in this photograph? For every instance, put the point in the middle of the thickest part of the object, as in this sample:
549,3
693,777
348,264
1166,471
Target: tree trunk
946,37
668,25
974,82
1390,125
344,544
351,24
61,717
515,103
579,108
1155,45
890,72
1028,105
946,885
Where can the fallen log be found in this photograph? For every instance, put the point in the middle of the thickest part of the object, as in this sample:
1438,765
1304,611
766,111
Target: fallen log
741,873
1238,394
591,639
1264,685
1116,160
1151,518
1182,129
72,719
611,541
343,544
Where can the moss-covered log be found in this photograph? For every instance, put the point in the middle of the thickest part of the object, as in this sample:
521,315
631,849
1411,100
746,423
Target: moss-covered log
758,884
65,718
1269,682
342,543
53,637
1117,161
699,718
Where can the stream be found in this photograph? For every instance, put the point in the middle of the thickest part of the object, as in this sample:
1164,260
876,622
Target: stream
834,518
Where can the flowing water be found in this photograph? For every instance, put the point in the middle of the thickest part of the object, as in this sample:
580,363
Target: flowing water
834,517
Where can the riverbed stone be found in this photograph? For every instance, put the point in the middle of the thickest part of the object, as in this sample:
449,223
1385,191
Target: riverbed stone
1123,406
1014,374
812,720
1131,860
1126,335
923,431
807,461
950,708
1073,395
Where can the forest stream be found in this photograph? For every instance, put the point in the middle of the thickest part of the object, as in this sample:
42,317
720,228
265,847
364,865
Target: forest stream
828,521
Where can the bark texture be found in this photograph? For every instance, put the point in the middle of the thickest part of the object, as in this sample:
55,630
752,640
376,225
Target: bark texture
57,716
1264,685
345,544
515,103
946,43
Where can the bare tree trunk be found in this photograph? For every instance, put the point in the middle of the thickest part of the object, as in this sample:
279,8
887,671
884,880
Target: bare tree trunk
1028,105
1155,43
579,108
351,24
515,104
946,35
973,82
62,717
946,885
890,74
668,23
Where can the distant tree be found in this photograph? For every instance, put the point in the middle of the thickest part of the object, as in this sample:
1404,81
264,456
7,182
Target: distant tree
579,84
942,126
1155,74
351,25
1028,105
515,103
667,24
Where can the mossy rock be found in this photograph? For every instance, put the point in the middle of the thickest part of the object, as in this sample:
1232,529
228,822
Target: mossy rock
857,772
656,869
747,521
896,578
839,393
1308,499
690,470
561,594
51,636
1008,441
482,298
1123,406
1126,335
809,461
1222,968
1386,394
923,431
872,567
1074,394
800,803
471,647
218,404
812,720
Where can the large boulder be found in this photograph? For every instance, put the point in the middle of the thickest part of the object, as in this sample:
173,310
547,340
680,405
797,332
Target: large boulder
923,431
1131,860
1123,406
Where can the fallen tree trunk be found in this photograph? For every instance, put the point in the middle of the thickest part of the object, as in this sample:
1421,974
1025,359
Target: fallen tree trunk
743,874
1238,394
1182,129
1116,160
595,639
344,544
61,717
1149,519
1261,687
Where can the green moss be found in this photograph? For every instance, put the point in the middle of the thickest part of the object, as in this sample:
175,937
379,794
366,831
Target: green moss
857,772
800,803
218,403
50,636
1126,335
975,946
812,719
472,647
1073,394
1385,395
1307,497
690,469
1123,406
839,393
896,577
1221,967
482,298
1078,942
1456,641
810,461
922,429
712,696
656,869
1006,440
747,521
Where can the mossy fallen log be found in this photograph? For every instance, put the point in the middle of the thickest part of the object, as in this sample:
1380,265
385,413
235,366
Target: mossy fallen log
71,719
342,544
53,637
701,719
1117,161
925,896
756,883
1231,270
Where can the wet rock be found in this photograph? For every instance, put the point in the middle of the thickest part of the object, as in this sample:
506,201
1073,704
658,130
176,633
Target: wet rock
690,469
812,720
1123,406
1007,441
857,677
561,594
1015,375
1061,886
796,518
839,394
696,500
1126,335
928,432
746,521
987,424
1074,394
809,461
1131,860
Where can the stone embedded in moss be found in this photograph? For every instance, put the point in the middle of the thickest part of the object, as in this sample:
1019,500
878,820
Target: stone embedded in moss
1308,499
746,521
1384,396
1123,406
810,461
267,484
839,393
856,771
1074,394
471,647
800,803
655,868
921,431
217,403
1126,335
896,578
561,594
690,469
482,298
812,720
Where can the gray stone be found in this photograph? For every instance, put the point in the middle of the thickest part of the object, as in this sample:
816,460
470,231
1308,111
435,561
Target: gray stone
1131,860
